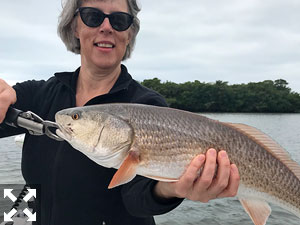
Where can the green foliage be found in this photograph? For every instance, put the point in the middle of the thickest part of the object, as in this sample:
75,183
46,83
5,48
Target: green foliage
266,96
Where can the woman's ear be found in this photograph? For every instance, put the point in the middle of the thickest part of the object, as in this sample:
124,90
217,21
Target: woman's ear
75,28
76,34
129,37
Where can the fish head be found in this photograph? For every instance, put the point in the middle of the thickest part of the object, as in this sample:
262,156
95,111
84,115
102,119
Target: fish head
101,136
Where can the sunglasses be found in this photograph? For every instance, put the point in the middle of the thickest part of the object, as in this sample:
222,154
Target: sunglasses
93,17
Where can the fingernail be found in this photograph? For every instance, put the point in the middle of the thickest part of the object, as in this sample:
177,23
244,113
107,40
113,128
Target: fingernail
212,152
223,154
201,158
234,168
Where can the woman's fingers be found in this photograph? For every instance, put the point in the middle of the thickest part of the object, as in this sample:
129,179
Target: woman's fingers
204,180
233,184
209,170
186,182
7,97
221,180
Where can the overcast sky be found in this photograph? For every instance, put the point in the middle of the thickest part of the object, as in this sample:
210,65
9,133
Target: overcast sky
238,41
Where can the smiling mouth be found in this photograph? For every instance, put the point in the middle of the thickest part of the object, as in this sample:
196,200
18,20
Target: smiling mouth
104,45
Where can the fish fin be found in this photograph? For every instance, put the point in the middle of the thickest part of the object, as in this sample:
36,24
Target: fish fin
162,178
258,210
269,144
127,170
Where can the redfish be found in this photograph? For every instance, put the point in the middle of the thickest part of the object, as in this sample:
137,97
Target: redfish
160,143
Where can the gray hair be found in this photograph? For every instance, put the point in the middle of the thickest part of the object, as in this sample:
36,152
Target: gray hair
67,24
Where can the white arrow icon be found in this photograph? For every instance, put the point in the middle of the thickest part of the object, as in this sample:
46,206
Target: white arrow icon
31,193
7,193
7,217
31,217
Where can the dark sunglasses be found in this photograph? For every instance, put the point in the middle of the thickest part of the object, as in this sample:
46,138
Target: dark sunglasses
93,17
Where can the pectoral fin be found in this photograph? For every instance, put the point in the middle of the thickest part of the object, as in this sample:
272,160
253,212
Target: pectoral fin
258,210
127,170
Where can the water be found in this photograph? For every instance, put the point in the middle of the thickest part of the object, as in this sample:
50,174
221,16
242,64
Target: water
10,162
284,128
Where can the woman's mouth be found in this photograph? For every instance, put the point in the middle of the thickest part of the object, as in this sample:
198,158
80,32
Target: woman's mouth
106,45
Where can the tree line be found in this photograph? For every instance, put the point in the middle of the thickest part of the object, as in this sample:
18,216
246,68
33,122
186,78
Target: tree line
266,96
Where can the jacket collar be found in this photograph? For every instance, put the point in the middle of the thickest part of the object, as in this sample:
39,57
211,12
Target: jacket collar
69,79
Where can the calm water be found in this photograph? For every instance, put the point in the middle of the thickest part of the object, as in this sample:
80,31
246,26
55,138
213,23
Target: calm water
284,128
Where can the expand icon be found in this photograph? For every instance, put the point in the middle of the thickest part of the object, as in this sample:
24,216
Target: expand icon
8,193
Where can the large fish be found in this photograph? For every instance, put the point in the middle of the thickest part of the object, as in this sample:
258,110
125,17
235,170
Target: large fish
159,143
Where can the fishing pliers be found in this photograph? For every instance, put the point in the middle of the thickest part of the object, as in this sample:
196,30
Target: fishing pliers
31,122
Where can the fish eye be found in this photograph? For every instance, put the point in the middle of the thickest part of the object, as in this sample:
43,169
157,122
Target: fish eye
75,116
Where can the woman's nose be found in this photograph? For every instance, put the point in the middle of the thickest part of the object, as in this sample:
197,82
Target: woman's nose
105,26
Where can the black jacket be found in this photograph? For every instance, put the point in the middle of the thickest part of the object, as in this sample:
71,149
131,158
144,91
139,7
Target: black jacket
72,189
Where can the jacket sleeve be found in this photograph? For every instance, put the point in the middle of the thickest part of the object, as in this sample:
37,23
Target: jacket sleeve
140,200
26,97
138,195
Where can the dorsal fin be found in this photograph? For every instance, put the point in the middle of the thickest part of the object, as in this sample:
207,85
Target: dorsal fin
269,144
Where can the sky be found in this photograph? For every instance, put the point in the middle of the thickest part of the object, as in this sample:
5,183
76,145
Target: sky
238,41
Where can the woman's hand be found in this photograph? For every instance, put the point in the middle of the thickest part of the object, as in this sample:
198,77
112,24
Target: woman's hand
7,97
209,185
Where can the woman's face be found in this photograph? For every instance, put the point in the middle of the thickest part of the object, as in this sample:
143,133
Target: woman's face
102,47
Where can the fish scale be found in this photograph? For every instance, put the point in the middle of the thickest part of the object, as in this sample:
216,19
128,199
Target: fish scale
161,142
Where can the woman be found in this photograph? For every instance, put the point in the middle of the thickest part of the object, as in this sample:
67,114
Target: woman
73,189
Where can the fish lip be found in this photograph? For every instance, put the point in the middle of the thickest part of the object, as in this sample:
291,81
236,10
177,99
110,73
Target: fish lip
63,133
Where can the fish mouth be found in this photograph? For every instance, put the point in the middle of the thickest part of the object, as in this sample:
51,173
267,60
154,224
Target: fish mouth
64,133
